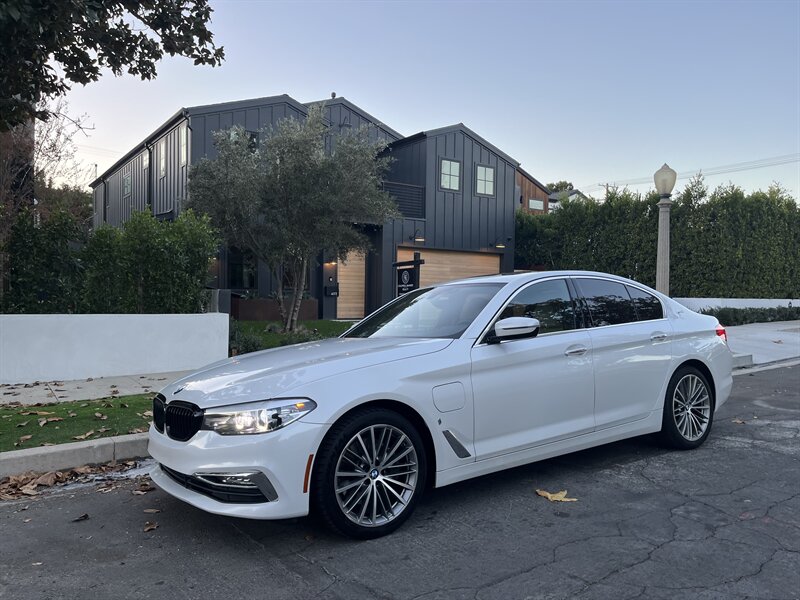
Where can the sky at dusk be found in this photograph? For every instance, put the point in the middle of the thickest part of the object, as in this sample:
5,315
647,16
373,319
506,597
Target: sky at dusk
592,92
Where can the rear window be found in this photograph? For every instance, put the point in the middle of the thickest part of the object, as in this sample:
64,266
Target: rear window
608,302
648,307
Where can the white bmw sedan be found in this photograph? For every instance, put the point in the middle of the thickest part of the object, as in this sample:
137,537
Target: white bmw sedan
440,385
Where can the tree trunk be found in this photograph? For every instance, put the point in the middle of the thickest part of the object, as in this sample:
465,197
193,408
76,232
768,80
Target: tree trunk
279,295
297,299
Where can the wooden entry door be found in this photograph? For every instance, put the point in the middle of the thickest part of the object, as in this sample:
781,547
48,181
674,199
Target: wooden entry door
446,265
352,274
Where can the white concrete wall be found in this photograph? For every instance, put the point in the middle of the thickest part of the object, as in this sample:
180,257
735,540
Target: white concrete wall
698,304
64,347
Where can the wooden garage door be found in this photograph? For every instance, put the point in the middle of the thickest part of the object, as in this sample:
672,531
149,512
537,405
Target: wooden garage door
445,265
352,275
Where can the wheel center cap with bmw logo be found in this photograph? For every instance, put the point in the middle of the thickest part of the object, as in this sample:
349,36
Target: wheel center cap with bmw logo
373,474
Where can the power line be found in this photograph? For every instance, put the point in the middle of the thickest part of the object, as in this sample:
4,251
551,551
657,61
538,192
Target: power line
719,170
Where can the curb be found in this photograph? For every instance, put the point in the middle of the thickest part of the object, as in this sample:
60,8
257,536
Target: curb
76,454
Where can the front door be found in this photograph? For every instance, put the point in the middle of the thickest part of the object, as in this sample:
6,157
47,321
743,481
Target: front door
533,391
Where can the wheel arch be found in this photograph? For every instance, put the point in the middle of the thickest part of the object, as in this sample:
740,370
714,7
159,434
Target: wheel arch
409,413
703,368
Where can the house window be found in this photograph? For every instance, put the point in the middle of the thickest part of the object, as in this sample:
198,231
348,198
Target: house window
146,160
535,204
484,184
183,134
162,158
126,185
450,175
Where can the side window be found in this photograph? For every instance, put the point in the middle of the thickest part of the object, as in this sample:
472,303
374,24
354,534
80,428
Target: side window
548,301
648,307
608,301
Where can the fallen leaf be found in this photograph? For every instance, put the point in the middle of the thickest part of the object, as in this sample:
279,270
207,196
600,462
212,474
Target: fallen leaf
136,430
84,436
112,385
152,511
147,413
107,404
101,416
24,439
738,421
90,379
26,520
54,419
83,517
42,422
23,423
36,564
150,526
557,497
72,414
38,413
84,405
777,341
103,429
113,392
47,444
123,405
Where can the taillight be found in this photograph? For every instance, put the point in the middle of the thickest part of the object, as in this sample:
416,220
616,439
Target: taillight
721,333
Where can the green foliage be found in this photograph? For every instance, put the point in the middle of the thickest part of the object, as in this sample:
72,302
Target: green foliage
290,199
725,245
560,186
48,44
148,266
743,316
44,266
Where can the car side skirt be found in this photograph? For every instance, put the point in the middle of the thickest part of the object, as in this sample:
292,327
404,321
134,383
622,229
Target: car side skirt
649,424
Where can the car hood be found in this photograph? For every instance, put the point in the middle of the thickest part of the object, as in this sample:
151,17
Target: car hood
275,373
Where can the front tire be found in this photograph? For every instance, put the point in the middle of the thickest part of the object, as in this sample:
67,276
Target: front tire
688,409
369,474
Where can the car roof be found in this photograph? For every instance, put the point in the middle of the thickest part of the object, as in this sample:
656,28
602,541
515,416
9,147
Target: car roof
521,277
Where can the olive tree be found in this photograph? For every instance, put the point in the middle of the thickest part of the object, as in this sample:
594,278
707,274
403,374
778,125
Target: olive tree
298,194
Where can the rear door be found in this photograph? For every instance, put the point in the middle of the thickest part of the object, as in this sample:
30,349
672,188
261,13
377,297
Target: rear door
631,349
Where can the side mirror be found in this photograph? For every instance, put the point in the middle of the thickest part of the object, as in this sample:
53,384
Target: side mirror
514,328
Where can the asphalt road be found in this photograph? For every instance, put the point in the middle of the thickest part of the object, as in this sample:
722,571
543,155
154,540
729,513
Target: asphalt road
719,522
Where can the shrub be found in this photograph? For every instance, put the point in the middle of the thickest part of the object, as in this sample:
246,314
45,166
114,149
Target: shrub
743,316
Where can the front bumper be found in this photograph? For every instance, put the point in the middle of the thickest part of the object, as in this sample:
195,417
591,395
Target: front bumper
280,457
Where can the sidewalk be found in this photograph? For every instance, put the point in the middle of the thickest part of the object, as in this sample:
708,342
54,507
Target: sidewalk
86,389
766,342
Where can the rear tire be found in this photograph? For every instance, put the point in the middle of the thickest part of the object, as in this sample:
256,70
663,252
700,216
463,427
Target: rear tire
369,474
688,409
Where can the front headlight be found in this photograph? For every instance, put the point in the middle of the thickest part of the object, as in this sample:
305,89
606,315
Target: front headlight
257,417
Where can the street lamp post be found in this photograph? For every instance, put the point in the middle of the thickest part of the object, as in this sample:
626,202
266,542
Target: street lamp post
665,181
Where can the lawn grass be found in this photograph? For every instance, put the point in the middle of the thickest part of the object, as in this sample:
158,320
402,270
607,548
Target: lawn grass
125,414
268,339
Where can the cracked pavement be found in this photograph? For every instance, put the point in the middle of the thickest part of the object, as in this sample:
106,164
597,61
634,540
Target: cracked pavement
720,522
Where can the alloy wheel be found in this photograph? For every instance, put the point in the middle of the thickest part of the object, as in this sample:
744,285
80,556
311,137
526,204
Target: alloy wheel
691,407
376,475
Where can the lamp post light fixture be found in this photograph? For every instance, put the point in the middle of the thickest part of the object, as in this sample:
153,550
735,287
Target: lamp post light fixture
665,182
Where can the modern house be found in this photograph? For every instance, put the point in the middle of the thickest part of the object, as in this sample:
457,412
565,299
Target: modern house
533,195
554,199
456,191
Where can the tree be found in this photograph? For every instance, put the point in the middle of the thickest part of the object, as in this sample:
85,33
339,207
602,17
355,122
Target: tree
290,199
47,45
560,186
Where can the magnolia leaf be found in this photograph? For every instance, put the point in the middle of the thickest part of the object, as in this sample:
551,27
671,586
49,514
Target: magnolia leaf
152,511
150,526
84,436
83,517
557,496
738,421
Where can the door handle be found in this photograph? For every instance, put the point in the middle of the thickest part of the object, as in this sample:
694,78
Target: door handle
575,351
657,337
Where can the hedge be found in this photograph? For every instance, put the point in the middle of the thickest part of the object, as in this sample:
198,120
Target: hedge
147,266
726,244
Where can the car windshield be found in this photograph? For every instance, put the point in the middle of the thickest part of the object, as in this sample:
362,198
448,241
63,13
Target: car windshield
439,312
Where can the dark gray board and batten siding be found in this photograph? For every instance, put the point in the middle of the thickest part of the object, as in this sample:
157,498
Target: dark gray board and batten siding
462,220
164,194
